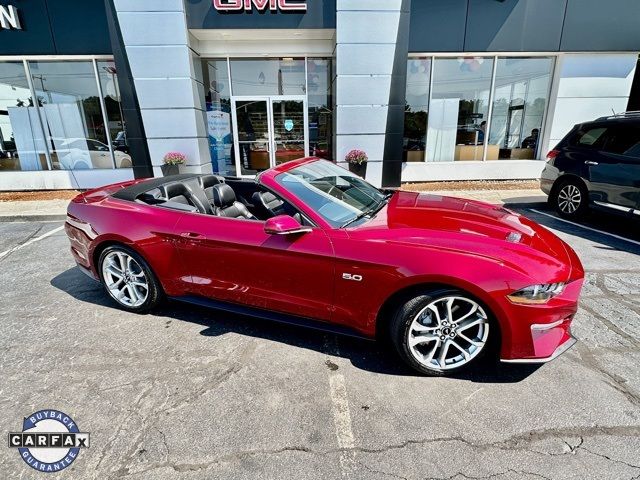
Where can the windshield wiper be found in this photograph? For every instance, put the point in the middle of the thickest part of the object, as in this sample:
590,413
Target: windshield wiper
369,212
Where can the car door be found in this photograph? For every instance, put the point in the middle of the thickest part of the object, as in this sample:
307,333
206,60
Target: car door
615,174
234,260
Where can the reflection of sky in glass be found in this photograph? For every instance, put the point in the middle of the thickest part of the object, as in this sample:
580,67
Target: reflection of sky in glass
61,80
13,92
273,76
464,78
610,66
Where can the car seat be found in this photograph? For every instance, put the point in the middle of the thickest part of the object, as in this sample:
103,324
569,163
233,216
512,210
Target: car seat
225,204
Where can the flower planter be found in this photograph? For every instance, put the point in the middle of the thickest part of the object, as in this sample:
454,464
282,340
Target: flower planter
170,170
359,169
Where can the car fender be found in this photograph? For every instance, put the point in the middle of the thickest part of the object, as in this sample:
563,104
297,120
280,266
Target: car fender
412,285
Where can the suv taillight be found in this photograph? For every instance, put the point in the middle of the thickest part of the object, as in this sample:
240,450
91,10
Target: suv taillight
551,156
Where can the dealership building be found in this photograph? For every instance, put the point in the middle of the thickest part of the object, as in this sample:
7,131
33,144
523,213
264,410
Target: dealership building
98,91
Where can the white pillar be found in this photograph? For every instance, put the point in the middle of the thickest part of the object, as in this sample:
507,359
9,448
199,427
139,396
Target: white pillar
168,80
366,36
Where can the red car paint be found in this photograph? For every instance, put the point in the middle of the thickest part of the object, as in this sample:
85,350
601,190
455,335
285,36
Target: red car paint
416,239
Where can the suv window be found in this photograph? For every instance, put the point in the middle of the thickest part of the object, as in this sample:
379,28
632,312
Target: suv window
589,137
624,140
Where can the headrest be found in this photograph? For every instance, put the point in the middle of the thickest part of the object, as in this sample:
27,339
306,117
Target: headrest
223,195
209,180
265,198
175,189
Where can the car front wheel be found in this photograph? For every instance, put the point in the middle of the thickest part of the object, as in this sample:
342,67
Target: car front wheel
570,199
128,279
441,332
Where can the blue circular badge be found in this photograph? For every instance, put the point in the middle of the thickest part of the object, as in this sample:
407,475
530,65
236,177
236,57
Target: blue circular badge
50,440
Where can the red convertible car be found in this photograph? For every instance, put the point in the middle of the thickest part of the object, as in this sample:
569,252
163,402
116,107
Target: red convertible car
446,280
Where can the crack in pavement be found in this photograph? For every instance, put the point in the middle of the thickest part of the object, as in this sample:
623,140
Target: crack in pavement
610,325
510,444
606,457
589,361
373,470
492,475
129,456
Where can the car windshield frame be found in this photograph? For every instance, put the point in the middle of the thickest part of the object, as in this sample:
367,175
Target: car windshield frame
333,193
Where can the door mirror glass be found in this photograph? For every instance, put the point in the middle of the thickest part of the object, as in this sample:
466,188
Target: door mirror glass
284,225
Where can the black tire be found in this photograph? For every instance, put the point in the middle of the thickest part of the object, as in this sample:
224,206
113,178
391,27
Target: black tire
563,198
407,310
154,290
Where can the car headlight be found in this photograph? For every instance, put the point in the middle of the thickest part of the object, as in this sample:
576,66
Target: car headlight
537,294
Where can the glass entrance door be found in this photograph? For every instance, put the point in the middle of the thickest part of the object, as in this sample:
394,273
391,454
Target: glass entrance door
252,135
289,130
269,131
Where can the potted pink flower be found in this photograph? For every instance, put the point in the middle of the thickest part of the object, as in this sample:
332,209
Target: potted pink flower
357,160
171,162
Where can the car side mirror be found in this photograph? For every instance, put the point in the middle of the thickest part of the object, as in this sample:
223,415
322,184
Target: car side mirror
284,225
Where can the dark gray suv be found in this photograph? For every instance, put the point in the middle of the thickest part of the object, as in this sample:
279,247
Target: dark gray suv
597,164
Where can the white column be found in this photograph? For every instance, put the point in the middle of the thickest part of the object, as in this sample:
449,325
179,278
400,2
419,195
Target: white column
366,34
168,80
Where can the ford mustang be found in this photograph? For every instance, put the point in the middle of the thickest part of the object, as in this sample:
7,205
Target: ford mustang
445,280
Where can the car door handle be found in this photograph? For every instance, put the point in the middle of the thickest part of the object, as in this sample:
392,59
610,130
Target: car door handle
192,236
590,162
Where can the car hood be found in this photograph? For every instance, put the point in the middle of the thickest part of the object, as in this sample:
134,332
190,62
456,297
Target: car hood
469,226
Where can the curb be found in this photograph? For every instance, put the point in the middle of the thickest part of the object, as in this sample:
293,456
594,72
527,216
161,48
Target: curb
32,218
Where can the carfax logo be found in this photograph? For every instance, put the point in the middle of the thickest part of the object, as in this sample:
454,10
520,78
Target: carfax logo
50,440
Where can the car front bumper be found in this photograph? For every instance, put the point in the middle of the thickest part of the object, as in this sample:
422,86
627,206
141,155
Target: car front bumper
540,333
556,353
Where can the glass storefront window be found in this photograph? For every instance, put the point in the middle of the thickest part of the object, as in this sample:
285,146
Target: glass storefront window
458,110
416,109
519,102
320,106
69,104
268,76
116,128
22,145
219,120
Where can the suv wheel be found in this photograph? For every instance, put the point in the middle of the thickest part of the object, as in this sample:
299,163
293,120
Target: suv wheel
570,199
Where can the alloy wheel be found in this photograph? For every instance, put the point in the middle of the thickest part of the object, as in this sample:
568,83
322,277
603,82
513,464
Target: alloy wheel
569,198
448,333
125,279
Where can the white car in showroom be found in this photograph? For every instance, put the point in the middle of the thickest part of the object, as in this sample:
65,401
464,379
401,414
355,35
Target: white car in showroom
86,153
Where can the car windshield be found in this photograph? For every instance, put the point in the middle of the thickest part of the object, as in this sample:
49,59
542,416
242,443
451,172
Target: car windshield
336,194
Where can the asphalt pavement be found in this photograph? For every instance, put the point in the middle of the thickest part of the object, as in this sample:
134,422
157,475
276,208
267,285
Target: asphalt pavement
192,393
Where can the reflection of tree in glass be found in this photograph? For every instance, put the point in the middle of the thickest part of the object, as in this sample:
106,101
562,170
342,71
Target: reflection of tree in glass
471,112
415,124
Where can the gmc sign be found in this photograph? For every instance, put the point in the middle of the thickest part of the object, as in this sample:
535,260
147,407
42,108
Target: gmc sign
247,5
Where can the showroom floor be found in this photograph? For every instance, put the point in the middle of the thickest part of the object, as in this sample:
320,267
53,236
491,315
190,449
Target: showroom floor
190,393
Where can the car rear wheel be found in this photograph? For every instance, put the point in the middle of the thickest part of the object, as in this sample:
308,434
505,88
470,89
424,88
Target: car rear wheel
441,332
128,279
570,199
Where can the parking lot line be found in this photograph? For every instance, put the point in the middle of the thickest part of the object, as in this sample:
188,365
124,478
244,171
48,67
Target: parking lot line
29,242
341,414
635,242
